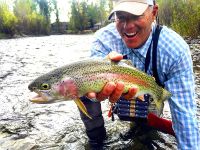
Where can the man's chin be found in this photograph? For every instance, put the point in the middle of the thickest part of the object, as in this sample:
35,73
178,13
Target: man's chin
131,43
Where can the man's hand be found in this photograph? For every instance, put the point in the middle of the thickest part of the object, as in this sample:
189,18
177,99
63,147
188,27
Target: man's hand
111,90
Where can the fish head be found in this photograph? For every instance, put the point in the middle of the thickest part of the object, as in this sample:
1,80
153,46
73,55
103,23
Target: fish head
51,88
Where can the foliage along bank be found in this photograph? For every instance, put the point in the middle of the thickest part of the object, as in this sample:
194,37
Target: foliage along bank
32,17
181,15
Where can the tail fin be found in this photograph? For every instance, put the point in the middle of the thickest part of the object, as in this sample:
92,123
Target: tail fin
165,94
159,105
159,101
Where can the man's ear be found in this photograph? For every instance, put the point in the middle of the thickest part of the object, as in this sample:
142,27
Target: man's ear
155,11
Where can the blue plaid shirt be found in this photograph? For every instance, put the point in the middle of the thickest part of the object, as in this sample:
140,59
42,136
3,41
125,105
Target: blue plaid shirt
175,71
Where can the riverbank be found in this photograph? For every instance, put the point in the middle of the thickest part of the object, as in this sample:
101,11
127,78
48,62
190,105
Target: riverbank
66,32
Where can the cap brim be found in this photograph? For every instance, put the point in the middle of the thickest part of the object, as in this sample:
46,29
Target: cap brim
134,8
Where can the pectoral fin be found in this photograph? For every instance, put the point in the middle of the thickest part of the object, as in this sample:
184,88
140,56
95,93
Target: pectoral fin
82,107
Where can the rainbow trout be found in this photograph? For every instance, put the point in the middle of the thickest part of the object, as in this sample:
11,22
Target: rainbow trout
72,81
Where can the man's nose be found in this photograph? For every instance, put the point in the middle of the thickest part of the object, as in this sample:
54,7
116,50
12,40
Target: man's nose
129,23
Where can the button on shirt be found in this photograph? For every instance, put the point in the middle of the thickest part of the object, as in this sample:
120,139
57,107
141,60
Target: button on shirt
175,70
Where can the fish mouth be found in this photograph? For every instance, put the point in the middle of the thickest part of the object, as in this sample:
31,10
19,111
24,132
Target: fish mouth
40,98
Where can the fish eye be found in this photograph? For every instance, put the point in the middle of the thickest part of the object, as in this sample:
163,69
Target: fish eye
45,86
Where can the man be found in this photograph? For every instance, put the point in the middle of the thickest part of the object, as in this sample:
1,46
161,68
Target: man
131,36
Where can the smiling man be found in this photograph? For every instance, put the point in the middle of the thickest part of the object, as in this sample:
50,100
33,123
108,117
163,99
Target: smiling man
133,36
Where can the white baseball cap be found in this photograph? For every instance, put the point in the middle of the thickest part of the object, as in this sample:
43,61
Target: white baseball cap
135,7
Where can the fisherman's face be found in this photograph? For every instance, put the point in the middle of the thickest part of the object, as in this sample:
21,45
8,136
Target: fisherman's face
135,30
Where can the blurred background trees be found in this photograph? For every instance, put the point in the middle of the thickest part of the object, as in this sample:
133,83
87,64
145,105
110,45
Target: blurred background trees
8,20
33,17
86,15
181,15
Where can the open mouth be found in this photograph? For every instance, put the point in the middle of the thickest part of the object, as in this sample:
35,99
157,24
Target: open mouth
39,98
130,35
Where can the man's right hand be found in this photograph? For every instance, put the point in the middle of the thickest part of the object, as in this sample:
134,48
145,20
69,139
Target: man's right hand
113,91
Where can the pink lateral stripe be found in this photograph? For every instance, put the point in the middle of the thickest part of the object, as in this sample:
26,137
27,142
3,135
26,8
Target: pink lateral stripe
123,77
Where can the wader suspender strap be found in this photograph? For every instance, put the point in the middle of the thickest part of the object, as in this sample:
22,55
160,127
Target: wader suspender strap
154,55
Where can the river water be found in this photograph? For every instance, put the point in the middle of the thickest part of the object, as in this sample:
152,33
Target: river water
28,126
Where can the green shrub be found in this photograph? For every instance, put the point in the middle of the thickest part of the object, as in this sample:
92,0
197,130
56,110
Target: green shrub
8,20
182,15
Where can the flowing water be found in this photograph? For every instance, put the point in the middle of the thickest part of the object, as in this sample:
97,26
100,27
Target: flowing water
28,126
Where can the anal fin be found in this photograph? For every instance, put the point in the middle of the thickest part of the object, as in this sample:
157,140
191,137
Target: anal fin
82,107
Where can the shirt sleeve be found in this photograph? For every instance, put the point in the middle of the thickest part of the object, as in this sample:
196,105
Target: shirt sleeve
182,103
106,39
98,49
102,43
